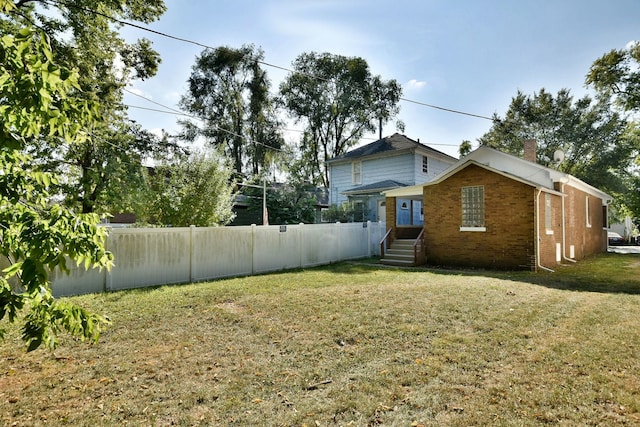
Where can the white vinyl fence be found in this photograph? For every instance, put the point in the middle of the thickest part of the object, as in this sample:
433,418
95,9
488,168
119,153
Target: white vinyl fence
159,256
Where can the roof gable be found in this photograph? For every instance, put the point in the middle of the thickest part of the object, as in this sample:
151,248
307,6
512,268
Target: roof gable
388,145
510,166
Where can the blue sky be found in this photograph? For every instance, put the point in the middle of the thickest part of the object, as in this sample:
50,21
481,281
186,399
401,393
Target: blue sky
465,55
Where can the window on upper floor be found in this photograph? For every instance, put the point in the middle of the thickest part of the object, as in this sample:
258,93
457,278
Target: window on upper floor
473,207
425,164
356,172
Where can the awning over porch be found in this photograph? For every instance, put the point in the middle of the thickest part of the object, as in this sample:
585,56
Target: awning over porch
375,188
413,191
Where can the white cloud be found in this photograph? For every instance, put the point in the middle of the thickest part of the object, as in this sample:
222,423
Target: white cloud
416,84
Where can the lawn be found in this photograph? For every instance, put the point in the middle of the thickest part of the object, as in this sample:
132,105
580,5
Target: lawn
348,344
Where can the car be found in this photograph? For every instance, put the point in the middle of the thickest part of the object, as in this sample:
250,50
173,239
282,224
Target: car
615,239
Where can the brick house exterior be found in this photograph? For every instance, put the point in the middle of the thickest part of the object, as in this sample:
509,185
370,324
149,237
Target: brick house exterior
493,210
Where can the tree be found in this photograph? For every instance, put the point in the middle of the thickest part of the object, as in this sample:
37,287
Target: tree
617,75
84,36
229,93
345,213
196,190
37,235
592,136
338,100
465,148
291,203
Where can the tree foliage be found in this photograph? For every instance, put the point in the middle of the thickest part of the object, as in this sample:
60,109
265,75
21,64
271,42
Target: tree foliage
84,36
338,100
36,235
291,203
195,190
347,212
617,75
229,92
592,136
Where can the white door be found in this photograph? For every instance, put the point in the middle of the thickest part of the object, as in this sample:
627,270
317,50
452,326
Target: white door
382,210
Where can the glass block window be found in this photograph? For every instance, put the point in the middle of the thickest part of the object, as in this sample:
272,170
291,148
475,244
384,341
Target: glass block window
473,206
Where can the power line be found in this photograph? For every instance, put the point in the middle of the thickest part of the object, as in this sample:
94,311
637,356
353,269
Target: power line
178,112
266,64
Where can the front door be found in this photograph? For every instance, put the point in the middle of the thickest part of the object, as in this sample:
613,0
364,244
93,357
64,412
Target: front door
382,210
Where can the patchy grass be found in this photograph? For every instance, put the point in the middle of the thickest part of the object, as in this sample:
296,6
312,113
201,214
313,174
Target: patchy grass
348,344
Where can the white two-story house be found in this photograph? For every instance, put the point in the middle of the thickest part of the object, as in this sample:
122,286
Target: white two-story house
361,175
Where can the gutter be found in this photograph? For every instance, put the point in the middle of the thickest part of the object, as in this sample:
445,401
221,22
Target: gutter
564,240
538,233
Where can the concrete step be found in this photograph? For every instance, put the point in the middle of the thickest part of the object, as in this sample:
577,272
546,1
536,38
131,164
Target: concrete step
397,262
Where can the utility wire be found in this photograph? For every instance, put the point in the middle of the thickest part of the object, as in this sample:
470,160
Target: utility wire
178,112
266,64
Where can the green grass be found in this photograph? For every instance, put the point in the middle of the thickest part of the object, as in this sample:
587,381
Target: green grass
348,344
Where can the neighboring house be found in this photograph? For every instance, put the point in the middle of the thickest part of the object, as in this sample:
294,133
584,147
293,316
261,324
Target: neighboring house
494,210
247,216
362,175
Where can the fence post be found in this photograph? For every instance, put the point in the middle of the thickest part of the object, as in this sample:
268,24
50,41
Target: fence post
301,240
253,249
192,229
368,239
107,276
337,231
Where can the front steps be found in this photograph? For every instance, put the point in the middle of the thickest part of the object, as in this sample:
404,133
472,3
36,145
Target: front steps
400,254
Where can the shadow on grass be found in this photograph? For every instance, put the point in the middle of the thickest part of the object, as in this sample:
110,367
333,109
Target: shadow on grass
604,273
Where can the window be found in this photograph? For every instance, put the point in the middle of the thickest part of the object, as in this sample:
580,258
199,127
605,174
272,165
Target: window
425,164
588,211
473,207
547,213
356,172
409,212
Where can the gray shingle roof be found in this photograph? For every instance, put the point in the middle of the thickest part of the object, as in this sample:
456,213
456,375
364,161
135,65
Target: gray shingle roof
395,142
387,184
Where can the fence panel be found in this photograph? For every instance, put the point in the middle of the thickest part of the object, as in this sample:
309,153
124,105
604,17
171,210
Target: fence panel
319,245
159,256
78,281
354,241
221,252
148,257
276,248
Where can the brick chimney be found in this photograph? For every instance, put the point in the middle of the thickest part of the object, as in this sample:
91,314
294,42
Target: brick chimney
530,150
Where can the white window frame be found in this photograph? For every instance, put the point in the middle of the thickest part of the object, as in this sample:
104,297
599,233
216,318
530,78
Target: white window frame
472,203
356,172
548,214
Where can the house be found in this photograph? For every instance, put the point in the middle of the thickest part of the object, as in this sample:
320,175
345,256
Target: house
494,210
360,176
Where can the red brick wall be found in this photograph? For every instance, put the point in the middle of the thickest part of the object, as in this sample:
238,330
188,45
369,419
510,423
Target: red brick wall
391,215
586,240
550,237
507,243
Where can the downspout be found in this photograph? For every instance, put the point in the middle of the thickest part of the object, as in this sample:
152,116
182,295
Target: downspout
564,239
538,233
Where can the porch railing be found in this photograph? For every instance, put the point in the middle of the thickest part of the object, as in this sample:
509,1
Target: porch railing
383,243
418,248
